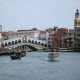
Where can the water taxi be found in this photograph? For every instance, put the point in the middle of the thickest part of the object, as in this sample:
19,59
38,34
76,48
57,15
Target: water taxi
53,56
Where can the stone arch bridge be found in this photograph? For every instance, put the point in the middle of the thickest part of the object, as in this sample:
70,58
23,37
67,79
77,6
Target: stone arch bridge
22,42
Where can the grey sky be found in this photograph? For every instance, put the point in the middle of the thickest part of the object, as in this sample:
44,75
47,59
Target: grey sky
26,14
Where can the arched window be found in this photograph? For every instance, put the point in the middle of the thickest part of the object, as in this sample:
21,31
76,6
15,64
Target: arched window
13,43
19,41
29,41
2,45
45,45
79,23
76,23
42,44
38,43
9,43
33,41
5,44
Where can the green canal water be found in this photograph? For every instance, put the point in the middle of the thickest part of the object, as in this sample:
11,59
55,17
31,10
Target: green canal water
36,66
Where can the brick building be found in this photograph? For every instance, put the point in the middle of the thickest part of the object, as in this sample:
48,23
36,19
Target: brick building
59,38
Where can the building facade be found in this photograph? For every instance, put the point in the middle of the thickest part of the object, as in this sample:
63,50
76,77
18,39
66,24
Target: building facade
59,39
70,39
5,35
49,33
37,34
77,29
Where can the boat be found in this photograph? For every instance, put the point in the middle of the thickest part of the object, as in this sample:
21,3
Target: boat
15,56
23,53
53,56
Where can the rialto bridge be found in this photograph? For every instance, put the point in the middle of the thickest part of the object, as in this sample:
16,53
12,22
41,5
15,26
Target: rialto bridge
25,42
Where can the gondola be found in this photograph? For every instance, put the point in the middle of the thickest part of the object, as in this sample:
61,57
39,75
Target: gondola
23,53
15,56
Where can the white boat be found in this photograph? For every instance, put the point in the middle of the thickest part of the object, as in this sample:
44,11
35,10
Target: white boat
53,56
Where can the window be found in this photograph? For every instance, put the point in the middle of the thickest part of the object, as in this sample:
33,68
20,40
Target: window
79,23
75,23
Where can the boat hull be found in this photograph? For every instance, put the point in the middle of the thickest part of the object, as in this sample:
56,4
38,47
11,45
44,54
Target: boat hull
53,56
15,57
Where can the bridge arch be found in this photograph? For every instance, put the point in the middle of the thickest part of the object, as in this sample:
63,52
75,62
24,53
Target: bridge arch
29,41
16,41
45,45
38,43
35,42
13,42
42,44
9,43
6,44
19,41
2,45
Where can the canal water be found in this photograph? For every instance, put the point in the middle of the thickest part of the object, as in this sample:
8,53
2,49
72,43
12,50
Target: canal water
36,66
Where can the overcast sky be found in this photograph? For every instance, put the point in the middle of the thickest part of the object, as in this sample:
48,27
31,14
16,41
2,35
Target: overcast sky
26,14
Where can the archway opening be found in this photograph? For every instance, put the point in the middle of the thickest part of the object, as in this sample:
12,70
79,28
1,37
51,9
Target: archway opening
13,43
9,43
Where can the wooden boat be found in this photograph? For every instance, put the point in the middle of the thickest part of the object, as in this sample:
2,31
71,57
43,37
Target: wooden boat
15,56
53,56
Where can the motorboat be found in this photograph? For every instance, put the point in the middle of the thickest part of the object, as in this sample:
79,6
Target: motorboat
53,56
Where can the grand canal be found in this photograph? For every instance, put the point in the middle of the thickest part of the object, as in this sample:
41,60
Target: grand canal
35,66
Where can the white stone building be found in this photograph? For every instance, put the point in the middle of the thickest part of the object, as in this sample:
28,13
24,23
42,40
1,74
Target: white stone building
37,34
